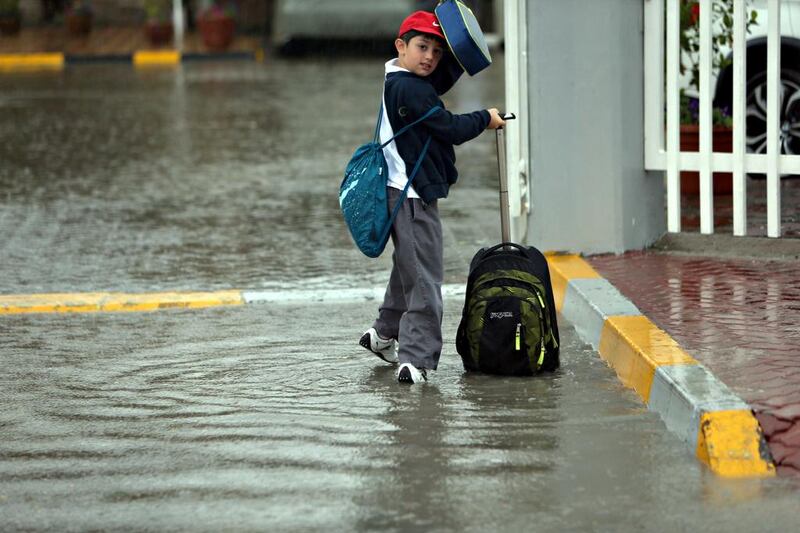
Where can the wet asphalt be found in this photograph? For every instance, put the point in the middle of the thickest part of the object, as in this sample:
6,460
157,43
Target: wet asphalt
271,417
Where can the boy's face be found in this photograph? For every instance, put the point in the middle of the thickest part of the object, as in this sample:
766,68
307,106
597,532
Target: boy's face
421,55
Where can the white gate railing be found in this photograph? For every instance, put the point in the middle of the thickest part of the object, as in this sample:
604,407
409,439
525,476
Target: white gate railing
515,24
662,144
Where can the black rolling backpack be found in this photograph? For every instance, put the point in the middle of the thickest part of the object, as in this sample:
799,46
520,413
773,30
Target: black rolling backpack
508,325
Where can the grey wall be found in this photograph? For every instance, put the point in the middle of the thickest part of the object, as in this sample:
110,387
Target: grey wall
590,192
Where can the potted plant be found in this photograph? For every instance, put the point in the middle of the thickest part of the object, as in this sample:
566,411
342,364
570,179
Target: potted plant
721,140
158,21
722,134
79,16
217,24
10,17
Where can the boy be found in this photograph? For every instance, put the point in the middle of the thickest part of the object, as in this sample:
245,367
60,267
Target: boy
411,313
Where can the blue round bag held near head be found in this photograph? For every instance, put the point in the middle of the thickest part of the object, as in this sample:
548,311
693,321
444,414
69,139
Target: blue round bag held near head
463,35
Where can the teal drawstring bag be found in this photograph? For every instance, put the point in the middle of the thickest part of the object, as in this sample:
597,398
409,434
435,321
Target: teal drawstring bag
362,194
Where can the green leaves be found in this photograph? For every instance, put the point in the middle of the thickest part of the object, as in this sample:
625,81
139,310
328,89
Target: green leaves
722,36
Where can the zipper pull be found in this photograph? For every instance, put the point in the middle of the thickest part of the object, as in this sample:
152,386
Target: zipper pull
517,337
541,301
541,356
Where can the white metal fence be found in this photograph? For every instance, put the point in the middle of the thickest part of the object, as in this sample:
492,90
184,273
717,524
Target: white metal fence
662,144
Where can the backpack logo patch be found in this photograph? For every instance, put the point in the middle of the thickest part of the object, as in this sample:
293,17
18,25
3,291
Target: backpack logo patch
346,191
501,314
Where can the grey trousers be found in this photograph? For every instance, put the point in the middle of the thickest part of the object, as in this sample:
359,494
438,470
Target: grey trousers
412,305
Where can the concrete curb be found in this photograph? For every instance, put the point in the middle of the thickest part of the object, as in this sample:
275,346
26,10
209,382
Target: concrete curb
140,58
717,424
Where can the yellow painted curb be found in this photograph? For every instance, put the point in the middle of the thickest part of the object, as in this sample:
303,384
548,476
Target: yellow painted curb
635,348
563,268
31,61
115,302
730,443
156,58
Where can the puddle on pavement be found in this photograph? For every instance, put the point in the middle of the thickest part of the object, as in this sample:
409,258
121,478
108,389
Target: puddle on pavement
204,177
230,419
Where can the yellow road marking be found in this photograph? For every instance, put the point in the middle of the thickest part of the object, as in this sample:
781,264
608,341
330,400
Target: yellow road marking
31,61
156,58
115,302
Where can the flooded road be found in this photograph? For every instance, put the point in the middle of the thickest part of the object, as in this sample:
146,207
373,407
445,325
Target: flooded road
240,419
271,417
212,176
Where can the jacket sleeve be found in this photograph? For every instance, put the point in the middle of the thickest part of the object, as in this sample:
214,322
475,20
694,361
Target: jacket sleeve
444,125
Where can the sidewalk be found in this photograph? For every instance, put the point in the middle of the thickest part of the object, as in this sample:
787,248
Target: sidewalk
112,42
733,304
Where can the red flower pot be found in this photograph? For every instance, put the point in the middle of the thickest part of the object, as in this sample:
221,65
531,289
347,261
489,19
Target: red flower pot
217,32
722,141
158,33
10,24
79,24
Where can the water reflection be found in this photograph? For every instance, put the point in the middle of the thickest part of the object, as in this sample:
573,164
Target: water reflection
451,450
412,492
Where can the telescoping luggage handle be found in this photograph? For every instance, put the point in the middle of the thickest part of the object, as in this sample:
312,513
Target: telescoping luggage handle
505,219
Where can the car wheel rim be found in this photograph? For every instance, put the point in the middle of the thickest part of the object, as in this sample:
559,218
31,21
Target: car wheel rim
789,121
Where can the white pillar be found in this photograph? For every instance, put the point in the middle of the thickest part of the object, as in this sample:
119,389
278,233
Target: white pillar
516,63
178,23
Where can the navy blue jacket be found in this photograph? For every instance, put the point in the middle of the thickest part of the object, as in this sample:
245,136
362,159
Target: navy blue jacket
407,98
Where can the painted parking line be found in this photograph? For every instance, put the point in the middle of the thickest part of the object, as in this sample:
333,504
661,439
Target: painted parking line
139,59
44,61
112,302
369,294
115,301
716,424
150,58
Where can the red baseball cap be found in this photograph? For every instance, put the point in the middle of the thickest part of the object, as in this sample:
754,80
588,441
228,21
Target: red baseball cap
423,21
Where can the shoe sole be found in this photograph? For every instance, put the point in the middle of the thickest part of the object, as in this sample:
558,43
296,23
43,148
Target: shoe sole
404,376
364,341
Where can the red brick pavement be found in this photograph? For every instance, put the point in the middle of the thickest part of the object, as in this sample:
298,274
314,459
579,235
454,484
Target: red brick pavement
740,318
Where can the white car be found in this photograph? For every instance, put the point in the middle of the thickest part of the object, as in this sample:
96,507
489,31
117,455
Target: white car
300,20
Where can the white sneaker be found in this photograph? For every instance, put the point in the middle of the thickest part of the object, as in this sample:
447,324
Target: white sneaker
408,373
386,349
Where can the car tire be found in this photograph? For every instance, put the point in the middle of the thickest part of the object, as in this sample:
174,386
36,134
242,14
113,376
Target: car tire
756,112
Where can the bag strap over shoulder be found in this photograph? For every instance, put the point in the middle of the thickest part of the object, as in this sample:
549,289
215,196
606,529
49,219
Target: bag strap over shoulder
432,111
417,165
376,137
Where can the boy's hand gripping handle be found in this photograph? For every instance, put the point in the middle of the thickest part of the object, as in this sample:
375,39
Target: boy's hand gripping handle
505,222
